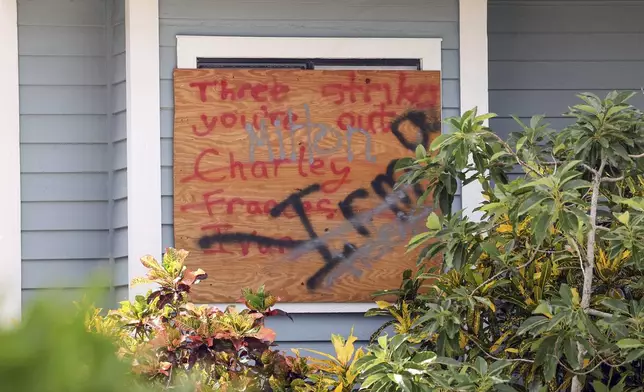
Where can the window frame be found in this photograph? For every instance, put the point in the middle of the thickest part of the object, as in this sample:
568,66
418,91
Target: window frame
428,51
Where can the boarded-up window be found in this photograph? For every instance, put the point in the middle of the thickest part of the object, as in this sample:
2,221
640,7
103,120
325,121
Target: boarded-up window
284,177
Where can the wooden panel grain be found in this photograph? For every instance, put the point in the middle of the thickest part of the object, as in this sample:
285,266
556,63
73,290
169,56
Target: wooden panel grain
270,160
450,95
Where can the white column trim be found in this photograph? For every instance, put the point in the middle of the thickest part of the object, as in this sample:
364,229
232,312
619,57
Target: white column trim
473,50
143,135
10,235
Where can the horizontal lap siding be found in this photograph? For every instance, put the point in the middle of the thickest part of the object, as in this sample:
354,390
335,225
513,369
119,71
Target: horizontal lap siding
543,53
118,162
63,131
329,18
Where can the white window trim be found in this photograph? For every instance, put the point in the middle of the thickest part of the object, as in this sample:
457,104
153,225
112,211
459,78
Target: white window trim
427,50
10,227
143,136
473,80
189,48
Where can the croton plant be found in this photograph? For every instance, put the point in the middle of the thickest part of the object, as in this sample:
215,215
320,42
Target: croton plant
171,342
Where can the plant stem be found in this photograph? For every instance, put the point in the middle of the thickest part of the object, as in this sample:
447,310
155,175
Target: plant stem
590,261
515,154
506,270
598,313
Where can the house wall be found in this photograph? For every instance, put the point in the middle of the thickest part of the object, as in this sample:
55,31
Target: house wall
63,135
118,139
330,18
542,53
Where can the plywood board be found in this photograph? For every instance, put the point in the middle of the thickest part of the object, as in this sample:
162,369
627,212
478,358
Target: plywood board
281,177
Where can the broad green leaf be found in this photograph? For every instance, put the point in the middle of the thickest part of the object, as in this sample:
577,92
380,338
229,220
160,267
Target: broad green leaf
534,201
440,141
635,355
521,142
592,328
571,351
420,151
504,388
575,184
566,294
535,120
599,387
567,167
403,382
417,240
629,343
497,366
447,361
540,229
480,365
615,304
532,323
487,302
586,108
499,155
424,357
557,319
484,117
550,368
372,379
543,308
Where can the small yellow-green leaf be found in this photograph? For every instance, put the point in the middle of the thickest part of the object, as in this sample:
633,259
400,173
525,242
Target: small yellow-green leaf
383,304
624,218
575,296
139,280
433,222
149,262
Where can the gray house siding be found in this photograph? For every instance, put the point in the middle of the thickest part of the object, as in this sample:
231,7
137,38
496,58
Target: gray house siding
542,53
331,18
63,101
118,135
72,105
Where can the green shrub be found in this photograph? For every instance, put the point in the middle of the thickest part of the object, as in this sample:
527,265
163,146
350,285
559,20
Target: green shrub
171,342
546,288
51,351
